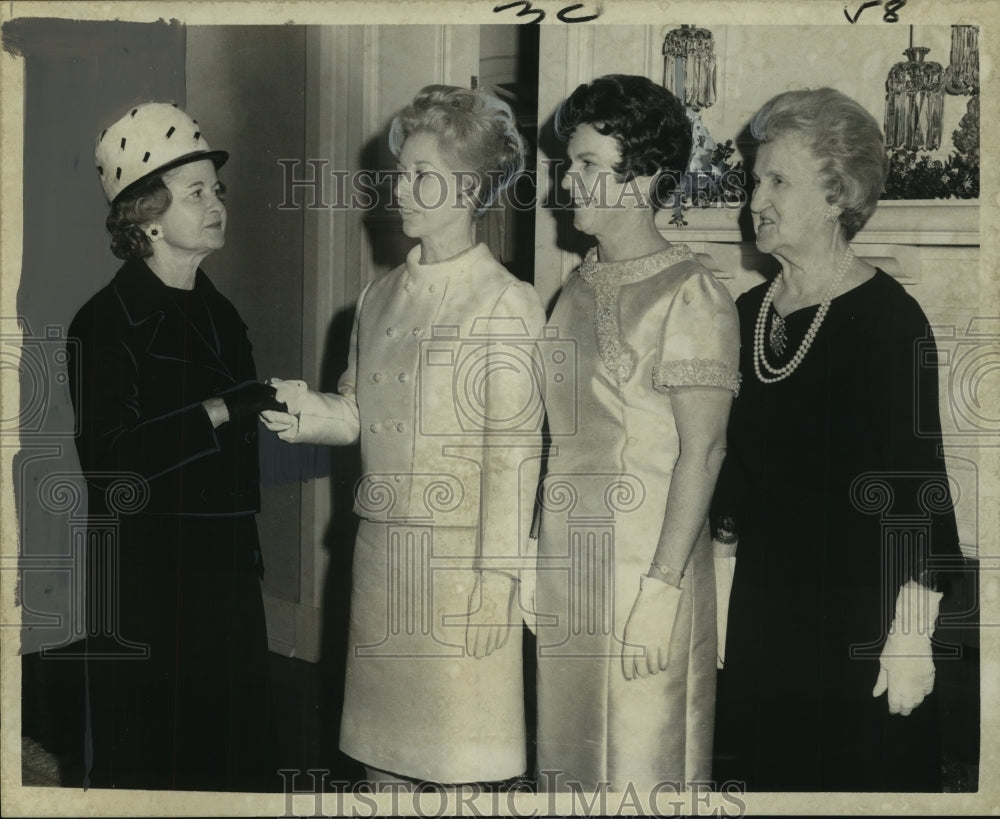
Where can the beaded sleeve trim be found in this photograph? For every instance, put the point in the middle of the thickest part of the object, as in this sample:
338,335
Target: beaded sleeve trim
696,372
606,278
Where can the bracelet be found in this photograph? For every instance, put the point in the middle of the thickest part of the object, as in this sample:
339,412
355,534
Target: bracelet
670,576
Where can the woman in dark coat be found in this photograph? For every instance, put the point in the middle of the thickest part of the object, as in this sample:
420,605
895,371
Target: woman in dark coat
833,488
166,396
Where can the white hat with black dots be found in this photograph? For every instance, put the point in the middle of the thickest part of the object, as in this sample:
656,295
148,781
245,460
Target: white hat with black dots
150,138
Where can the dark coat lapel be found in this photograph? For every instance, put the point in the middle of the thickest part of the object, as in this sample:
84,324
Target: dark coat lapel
155,316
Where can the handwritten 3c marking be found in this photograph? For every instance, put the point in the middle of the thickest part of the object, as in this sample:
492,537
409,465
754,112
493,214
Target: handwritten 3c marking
525,9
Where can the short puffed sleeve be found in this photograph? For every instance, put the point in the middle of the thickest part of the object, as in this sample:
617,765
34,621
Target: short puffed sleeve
700,339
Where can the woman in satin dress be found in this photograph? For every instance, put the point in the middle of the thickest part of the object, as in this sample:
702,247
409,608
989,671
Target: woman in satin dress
625,599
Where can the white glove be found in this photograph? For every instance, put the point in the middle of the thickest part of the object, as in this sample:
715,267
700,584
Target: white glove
490,602
649,626
283,423
725,568
907,667
289,393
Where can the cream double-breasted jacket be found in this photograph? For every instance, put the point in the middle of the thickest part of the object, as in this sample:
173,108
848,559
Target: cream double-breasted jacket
444,387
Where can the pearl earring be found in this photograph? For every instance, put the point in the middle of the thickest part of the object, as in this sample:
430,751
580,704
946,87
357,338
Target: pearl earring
833,212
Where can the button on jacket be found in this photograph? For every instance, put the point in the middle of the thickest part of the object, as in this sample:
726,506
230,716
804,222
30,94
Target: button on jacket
443,389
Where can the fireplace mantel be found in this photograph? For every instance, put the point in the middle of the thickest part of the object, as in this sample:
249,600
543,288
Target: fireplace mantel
939,222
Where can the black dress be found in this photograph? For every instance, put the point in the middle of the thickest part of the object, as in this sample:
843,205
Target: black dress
177,670
836,487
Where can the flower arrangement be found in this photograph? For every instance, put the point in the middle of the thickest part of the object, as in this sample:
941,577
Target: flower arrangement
712,178
915,175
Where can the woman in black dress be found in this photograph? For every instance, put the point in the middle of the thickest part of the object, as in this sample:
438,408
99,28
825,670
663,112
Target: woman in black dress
166,398
834,488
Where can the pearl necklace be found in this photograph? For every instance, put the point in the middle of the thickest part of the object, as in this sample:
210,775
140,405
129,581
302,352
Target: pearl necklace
760,362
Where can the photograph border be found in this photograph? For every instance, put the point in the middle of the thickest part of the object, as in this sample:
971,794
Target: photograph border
35,801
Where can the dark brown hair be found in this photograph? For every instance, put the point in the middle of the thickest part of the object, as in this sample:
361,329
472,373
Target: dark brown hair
133,208
649,124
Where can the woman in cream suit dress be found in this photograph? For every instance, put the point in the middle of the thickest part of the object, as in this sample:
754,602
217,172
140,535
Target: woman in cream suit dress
441,389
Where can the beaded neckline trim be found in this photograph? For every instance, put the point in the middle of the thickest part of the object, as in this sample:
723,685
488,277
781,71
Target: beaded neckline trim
592,270
606,278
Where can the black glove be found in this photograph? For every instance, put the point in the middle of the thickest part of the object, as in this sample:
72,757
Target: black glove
249,398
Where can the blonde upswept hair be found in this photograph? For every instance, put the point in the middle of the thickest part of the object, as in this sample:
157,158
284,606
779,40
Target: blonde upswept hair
475,129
